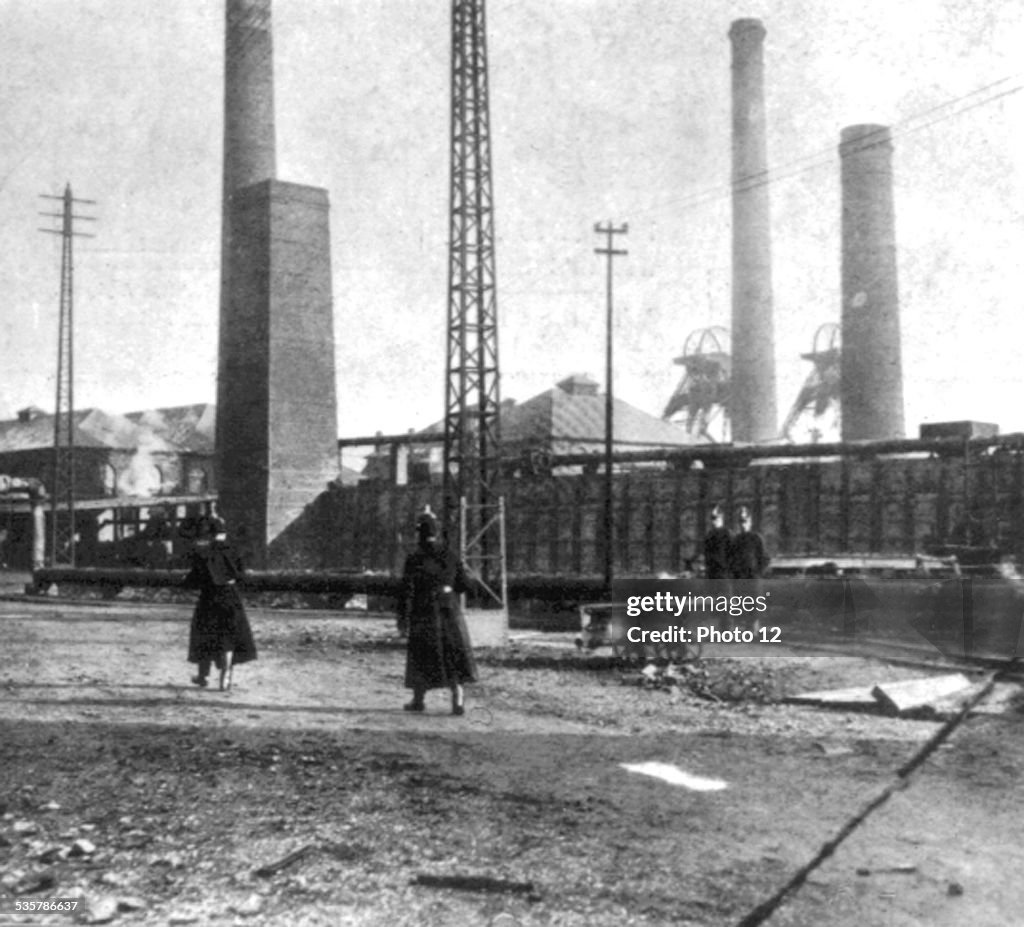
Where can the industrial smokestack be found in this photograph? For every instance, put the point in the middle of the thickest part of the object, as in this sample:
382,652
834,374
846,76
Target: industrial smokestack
248,95
276,444
249,141
871,375
249,157
752,406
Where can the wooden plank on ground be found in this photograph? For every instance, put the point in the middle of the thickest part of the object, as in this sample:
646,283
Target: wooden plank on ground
856,697
909,694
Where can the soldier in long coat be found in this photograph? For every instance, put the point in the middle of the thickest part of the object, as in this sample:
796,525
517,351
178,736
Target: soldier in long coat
748,562
220,634
439,654
747,556
717,546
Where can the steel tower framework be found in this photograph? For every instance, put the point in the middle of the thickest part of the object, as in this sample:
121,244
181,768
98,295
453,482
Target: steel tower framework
472,516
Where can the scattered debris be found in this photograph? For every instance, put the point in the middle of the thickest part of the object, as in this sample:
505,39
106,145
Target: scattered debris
53,853
265,872
101,910
82,847
346,852
504,919
11,878
477,884
251,906
831,750
668,676
904,869
34,882
134,839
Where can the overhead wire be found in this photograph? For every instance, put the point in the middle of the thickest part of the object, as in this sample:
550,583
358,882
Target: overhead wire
826,157
818,159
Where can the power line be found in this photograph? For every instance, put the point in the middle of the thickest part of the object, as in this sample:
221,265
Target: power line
825,157
819,158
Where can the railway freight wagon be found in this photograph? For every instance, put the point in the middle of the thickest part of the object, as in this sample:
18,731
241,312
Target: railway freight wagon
896,498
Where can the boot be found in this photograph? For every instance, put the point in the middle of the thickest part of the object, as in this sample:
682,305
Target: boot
417,703
225,671
458,708
204,671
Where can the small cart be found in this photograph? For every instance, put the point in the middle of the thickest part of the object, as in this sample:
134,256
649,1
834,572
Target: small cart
604,624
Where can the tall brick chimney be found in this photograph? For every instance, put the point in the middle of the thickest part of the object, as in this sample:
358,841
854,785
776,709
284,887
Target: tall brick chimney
752,405
276,442
871,375
249,150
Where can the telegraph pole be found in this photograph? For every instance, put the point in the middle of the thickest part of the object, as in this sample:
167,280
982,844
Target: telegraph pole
609,527
62,536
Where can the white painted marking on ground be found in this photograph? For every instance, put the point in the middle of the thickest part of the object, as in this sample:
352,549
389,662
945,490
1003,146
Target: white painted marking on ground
676,776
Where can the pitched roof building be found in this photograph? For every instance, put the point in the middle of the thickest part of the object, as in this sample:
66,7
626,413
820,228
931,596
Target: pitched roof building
569,418
154,452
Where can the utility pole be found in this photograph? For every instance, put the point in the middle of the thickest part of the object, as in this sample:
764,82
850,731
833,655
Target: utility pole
62,531
609,419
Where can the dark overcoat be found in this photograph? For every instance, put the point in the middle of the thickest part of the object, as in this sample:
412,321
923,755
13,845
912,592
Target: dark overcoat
717,550
219,621
439,653
748,559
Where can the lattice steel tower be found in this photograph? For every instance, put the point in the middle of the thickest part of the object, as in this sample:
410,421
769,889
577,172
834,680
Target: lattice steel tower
472,398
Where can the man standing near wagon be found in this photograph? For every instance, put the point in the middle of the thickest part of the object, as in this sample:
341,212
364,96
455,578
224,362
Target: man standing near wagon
747,557
717,546
748,560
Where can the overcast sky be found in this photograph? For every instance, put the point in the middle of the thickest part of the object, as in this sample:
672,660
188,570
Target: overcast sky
601,110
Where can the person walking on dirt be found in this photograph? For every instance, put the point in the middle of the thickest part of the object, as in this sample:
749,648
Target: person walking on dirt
439,654
717,545
220,634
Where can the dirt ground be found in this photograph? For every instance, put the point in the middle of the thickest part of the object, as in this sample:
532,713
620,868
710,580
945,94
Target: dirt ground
150,801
